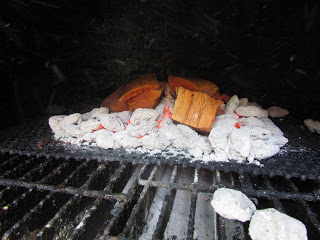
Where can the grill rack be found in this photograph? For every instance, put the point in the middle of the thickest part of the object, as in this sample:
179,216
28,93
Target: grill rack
298,158
76,199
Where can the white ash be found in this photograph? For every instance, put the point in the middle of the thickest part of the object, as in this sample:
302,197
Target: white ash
143,114
232,104
278,140
111,122
104,139
95,113
313,126
144,128
126,140
251,121
277,112
249,111
256,139
257,132
123,116
233,204
274,129
240,144
270,224
262,149
155,141
90,125
243,102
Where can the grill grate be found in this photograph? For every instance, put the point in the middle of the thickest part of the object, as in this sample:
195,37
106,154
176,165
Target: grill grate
76,199
299,158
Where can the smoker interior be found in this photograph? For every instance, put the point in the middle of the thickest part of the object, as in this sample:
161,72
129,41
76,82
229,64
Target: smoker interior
61,57
48,198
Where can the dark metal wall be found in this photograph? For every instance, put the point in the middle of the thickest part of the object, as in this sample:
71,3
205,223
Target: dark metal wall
262,49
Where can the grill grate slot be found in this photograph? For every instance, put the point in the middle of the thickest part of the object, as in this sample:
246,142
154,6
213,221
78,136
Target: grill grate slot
75,199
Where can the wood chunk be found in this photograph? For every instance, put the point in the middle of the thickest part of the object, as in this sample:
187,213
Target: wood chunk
112,101
193,84
204,86
141,84
195,109
147,99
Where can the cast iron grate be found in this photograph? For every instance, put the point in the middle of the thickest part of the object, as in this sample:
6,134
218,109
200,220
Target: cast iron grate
49,198
300,157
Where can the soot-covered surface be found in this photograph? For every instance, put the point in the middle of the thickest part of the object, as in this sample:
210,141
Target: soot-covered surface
300,157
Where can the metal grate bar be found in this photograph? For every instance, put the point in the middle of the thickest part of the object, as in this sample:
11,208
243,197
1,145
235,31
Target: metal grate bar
13,232
137,216
311,215
19,170
39,206
80,228
28,175
120,206
251,192
275,201
9,163
192,211
166,207
73,200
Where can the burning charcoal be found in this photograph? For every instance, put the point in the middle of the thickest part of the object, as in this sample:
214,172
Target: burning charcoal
90,125
219,143
232,204
312,125
243,102
240,144
111,122
126,140
232,104
90,137
95,113
144,128
257,132
280,141
251,121
188,132
74,118
55,123
277,112
249,111
143,114
155,141
270,224
200,145
268,124
261,150
224,126
173,134
105,139
123,116
229,115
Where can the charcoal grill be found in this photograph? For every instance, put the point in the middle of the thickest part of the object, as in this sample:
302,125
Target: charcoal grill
49,198
62,53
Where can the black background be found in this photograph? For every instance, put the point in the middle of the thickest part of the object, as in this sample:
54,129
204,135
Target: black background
265,50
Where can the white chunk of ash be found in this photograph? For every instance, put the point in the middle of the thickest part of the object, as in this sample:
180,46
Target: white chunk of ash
243,133
265,224
277,112
313,126
233,204
270,224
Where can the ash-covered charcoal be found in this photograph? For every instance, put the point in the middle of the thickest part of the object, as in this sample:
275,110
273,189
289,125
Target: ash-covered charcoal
243,133
271,224
233,204
313,126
